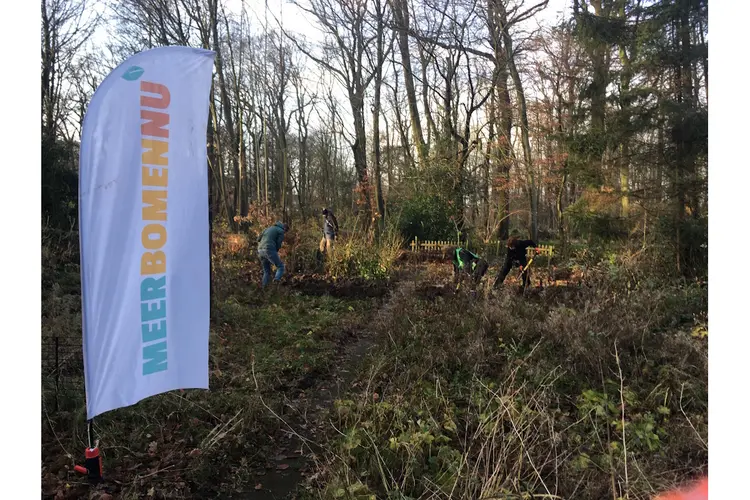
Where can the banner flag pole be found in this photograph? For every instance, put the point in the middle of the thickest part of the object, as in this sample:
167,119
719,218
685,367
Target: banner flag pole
145,247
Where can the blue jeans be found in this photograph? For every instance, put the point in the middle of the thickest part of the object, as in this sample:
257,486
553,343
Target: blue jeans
267,258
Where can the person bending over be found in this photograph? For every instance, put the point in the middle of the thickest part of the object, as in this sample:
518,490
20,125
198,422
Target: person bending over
515,257
466,263
269,244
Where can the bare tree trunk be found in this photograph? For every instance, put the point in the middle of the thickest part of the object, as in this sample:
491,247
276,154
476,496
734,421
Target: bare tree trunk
400,122
243,207
404,139
486,208
302,137
524,126
282,126
352,51
704,59
256,162
601,69
240,193
211,156
227,108
265,161
626,76
380,13
504,153
431,127
388,155
49,55
218,167
65,29
359,148
401,16
448,148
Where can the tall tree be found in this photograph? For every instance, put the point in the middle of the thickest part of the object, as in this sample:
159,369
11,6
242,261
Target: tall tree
66,26
380,57
400,10
504,23
347,52
213,9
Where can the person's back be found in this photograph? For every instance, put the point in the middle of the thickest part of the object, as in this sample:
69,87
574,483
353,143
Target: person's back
465,259
517,253
271,238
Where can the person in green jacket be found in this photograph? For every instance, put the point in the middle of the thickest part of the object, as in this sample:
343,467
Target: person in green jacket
269,244
465,263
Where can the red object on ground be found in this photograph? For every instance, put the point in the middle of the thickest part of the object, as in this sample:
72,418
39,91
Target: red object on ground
93,467
93,462
698,491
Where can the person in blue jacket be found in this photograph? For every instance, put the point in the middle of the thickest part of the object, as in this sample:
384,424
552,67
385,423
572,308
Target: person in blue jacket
269,244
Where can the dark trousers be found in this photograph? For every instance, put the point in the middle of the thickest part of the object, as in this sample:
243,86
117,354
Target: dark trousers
480,270
506,269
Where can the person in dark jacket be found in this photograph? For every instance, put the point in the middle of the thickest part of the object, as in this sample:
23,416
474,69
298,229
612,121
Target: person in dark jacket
269,244
330,230
516,256
467,262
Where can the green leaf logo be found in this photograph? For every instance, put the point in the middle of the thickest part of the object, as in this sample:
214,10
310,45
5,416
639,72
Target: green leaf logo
133,73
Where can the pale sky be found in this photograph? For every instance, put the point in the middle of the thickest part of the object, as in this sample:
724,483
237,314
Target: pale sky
299,23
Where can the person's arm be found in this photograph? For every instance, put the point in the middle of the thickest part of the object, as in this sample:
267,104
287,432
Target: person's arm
279,240
335,223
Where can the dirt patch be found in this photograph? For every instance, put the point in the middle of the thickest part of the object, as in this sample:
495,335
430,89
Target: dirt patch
345,289
567,294
306,416
431,292
308,409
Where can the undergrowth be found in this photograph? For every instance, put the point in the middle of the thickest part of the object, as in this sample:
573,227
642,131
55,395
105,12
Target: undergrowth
596,390
356,252
590,392
356,255
268,344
